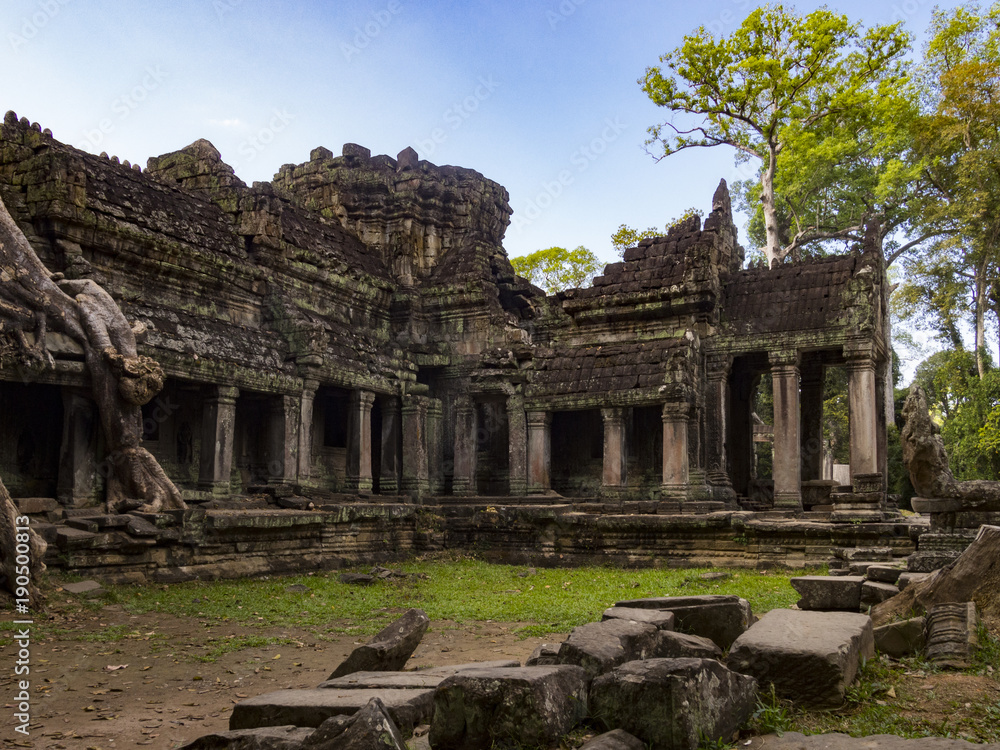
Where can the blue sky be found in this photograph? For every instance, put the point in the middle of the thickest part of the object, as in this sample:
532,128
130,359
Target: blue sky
539,96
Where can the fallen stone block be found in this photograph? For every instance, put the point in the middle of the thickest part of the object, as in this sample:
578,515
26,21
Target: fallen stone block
884,573
310,708
600,646
719,617
654,617
860,568
36,505
681,645
829,592
901,638
674,703
420,678
545,654
874,592
616,739
264,738
486,707
390,648
809,657
369,728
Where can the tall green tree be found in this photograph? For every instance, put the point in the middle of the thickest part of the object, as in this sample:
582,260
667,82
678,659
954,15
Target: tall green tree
556,268
959,140
968,405
785,89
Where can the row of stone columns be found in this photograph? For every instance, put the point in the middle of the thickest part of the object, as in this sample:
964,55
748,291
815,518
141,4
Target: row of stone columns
408,428
798,425
614,474
466,446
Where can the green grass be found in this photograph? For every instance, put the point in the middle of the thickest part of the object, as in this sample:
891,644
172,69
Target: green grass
463,590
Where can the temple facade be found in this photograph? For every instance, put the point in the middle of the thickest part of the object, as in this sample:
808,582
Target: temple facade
354,327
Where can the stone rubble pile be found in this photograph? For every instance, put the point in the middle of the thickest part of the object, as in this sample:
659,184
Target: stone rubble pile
632,674
944,601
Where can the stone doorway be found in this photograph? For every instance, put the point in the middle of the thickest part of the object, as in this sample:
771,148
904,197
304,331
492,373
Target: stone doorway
31,420
577,452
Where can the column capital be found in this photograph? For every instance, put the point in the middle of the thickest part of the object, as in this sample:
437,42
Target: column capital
783,358
612,413
860,358
538,418
363,398
676,411
464,404
310,386
411,403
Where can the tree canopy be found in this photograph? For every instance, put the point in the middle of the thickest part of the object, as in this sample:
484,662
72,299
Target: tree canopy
556,268
786,89
958,138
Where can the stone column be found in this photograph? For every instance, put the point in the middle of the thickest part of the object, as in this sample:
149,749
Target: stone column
466,446
811,424
76,484
615,451
435,445
517,437
861,411
359,441
717,427
416,466
306,402
539,451
787,471
675,450
283,440
388,477
217,423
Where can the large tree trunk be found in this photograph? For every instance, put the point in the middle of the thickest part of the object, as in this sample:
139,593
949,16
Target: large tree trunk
31,301
772,249
21,553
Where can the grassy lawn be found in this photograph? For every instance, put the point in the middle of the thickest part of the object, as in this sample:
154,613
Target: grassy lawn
542,600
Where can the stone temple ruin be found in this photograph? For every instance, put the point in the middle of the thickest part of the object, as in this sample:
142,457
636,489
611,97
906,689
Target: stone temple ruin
355,371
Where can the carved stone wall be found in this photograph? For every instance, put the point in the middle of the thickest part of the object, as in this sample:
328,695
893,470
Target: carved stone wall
312,325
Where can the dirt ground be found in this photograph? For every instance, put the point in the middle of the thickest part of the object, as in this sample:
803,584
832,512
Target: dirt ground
151,690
